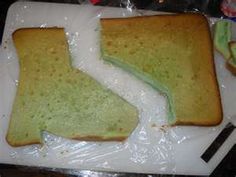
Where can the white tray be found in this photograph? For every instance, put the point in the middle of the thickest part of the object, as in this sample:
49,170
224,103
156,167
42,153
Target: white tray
149,149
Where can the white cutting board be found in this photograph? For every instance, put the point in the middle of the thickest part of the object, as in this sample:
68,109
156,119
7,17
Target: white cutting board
149,149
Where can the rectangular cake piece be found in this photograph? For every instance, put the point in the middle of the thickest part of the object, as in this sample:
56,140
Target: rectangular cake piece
172,53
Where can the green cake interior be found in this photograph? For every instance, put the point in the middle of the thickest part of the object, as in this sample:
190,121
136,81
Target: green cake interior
222,37
173,54
55,97
232,47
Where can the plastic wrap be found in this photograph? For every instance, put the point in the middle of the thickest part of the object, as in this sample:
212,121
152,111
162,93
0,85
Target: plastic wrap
151,148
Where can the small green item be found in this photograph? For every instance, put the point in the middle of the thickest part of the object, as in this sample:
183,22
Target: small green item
222,38
231,64
232,46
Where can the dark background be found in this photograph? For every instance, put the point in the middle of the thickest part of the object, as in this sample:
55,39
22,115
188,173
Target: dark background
209,7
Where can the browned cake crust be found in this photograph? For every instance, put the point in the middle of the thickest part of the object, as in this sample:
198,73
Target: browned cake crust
184,39
53,96
231,68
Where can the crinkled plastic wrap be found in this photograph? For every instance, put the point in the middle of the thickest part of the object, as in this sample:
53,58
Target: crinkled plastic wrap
153,147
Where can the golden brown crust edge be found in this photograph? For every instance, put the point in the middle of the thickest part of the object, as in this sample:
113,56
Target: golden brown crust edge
80,138
151,16
99,138
220,118
23,144
35,28
203,124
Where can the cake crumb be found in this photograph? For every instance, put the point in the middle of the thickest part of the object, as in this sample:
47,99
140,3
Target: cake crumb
164,128
153,125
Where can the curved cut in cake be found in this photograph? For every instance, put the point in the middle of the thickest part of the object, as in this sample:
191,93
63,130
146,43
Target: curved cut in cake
52,96
172,53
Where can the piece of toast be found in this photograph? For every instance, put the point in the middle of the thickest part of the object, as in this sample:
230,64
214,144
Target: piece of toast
172,53
52,96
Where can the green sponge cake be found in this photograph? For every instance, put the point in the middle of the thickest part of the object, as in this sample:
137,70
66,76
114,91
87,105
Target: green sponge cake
172,53
223,43
52,96
231,64
222,37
